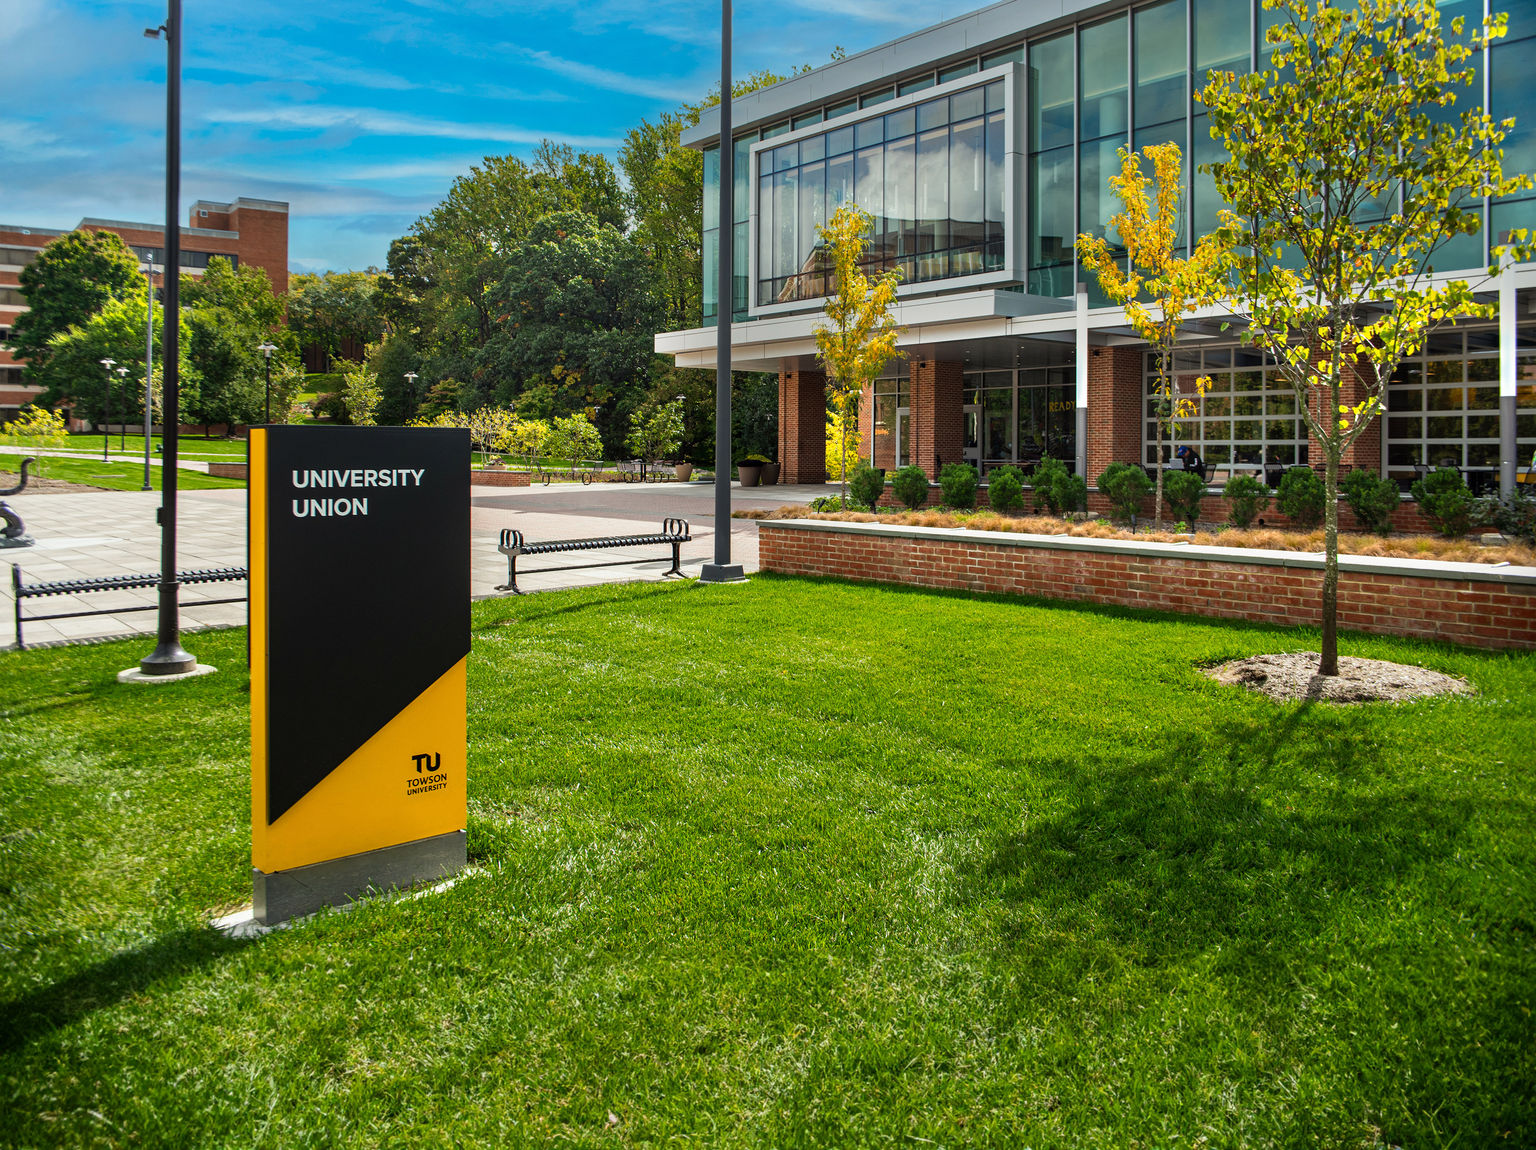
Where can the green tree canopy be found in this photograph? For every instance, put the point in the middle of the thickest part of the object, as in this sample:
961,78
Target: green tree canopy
69,282
1349,169
116,332
576,319
327,310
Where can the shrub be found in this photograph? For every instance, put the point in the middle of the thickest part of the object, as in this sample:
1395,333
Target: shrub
1246,497
834,503
1126,485
1444,497
38,429
1072,491
910,485
1005,489
1300,497
866,484
1372,498
1514,518
331,405
1183,491
1048,473
958,482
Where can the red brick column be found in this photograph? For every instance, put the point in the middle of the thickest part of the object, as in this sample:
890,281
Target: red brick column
1365,451
1114,407
938,433
802,426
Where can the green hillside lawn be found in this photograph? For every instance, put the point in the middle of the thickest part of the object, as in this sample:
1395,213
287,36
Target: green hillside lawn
119,476
798,864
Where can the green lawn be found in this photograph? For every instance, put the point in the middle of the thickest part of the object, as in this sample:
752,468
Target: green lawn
187,446
119,476
798,863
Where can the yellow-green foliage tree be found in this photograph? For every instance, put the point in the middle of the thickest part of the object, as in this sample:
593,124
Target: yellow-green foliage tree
1160,288
37,429
860,336
1348,169
360,389
844,446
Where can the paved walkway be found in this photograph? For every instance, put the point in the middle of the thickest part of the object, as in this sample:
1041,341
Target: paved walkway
85,534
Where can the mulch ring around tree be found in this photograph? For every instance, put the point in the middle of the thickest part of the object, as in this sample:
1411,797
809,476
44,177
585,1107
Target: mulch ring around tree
39,486
1293,677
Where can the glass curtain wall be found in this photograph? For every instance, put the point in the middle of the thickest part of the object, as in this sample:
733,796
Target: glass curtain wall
1103,127
1052,164
931,175
741,208
1221,34
1247,421
1511,93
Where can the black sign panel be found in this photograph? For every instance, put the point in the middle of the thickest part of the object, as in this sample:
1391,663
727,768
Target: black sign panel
366,566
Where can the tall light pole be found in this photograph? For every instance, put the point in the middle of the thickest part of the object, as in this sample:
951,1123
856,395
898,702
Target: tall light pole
267,349
168,657
149,363
722,570
106,423
410,382
122,428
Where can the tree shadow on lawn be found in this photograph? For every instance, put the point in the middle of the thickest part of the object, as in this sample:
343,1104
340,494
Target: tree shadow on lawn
533,612
106,983
1258,879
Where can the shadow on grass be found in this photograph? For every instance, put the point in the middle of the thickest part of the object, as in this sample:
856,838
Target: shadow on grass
533,612
106,983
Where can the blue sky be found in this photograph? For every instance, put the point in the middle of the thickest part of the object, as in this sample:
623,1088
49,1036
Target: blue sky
361,112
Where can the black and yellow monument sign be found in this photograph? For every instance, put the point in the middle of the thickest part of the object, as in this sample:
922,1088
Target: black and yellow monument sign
359,615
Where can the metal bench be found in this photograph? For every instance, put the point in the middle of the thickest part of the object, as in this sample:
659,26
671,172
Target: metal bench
113,583
674,533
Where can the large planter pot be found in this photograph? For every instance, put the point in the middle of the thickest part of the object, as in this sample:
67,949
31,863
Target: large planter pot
770,474
750,474
684,471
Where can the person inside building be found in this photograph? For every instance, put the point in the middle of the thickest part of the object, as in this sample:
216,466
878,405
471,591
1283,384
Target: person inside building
1192,461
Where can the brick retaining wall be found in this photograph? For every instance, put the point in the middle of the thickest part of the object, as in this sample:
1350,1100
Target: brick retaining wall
1473,604
499,478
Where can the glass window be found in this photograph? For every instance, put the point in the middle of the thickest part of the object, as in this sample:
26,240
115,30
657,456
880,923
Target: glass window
869,132
965,105
933,114
1050,93
1103,82
813,148
741,174
1051,232
956,71
916,84
1223,36
806,119
879,97
776,130
839,141
711,274
712,187
1160,65
967,188
902,123
842,109
1014,55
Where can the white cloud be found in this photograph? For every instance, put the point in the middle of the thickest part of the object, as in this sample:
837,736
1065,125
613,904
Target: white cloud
372,122
607,78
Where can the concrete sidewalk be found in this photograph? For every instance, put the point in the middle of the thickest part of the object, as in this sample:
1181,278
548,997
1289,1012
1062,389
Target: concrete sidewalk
86,534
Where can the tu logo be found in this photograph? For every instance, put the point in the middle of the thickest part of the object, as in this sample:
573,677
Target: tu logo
427,762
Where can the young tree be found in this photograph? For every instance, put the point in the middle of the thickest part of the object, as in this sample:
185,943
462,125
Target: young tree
1160,287
70,281
1347,170
860,337
657,430
361,393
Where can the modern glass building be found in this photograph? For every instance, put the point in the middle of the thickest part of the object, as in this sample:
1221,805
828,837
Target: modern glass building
982,147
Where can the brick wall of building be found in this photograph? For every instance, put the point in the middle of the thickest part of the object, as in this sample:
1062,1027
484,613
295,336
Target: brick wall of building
802,426
1473,612
1114,407
937,415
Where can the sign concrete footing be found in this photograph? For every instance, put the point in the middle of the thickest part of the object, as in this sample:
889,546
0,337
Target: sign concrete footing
303,890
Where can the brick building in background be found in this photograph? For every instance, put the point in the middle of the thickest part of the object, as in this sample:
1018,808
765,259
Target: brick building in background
246,232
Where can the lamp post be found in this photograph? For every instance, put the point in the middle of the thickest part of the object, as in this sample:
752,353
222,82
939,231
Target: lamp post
168,657
106,423
122,428
149,363
410,382
722,570
267,349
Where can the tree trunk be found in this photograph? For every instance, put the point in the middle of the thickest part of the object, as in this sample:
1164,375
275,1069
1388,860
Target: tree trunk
1157,492
1329,663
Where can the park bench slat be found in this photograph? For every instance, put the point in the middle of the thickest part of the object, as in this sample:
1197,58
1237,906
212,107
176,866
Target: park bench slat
674,533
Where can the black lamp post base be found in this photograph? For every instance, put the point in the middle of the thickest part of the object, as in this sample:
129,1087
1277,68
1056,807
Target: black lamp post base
722,573
168,659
